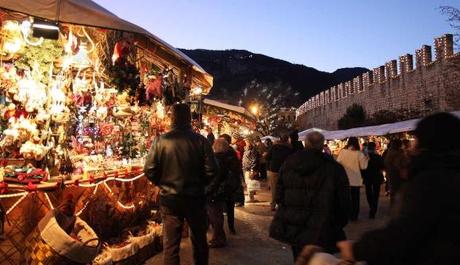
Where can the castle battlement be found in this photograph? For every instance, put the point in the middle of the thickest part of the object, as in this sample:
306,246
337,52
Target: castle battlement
394,74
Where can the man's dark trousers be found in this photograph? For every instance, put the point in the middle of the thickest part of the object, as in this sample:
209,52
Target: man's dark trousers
173,212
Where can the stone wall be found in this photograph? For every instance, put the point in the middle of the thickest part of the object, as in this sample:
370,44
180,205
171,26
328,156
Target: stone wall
433,85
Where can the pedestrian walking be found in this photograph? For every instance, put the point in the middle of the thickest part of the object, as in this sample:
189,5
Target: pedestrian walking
228,169
275,159
327,150
373,179
268,142
424,229
262,150
396,166
210,136
294,141
313,199
239,145
182,164
353,160
234,183
251,169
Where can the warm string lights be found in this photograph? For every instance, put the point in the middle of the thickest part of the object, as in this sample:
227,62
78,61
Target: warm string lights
104,182
16,204
23,195
49,201
12,195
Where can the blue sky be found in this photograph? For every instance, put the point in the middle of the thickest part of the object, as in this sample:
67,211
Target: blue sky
325,34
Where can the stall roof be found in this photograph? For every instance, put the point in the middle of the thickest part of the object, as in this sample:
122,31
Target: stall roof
238,109
272,138
377,130
88,13
303,134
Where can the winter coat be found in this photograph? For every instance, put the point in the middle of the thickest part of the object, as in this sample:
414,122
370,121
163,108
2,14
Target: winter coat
395,162
373,173
314,201
353,161
250,160
182,164
425,228
230,180
262,150
277,155
297,146
211,138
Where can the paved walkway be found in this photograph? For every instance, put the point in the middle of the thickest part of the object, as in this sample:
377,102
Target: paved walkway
252,246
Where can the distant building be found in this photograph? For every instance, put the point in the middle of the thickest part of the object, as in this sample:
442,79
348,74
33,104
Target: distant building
396,87
287,114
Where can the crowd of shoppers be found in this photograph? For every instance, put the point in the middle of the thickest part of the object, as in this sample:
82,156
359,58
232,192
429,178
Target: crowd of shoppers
313,194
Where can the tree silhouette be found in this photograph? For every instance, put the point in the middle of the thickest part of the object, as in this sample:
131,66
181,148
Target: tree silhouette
453,17
355,116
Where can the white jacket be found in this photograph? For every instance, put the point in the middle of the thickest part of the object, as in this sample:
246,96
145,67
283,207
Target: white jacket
353,161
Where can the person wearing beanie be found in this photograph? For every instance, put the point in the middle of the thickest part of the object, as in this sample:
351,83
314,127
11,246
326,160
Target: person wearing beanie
424,229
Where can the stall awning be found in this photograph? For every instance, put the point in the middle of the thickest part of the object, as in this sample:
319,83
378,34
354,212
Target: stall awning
303,134
272,138
88,13
377,130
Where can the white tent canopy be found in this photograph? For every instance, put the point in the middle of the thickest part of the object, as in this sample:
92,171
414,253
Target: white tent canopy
272,138
88,13
303,134
377,130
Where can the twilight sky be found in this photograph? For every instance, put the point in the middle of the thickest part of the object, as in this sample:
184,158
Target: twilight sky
325,34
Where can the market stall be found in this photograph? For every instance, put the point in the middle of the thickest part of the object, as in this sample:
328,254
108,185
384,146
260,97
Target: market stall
82,94
380,134
226,118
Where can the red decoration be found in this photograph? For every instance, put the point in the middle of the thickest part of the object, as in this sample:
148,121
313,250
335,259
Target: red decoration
31,187
153,88
3,187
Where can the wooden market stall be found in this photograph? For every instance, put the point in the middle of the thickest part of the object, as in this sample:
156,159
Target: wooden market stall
82,93
226,118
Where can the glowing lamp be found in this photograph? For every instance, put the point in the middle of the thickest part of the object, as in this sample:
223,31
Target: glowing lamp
45,29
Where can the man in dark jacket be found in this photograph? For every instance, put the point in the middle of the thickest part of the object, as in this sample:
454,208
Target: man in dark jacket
373,179
275,158
294,140
424,229
181,163
313,199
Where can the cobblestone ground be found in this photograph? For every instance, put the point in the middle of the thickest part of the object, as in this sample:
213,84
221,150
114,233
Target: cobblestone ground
252,246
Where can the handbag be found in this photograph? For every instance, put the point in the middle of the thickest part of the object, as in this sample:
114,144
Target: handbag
255,175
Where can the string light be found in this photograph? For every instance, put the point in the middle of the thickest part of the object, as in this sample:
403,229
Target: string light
108,188
49,201
128,207
130,180
95,190
86,204
16,204
5,196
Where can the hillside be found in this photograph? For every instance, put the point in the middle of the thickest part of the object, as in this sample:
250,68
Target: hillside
240,76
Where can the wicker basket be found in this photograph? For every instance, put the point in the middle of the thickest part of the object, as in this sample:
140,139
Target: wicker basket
48,244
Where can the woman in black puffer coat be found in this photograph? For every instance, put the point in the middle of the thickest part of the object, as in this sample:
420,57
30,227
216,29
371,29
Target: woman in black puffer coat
230,170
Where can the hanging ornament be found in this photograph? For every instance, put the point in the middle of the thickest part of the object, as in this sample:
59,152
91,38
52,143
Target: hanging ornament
81,59
12,39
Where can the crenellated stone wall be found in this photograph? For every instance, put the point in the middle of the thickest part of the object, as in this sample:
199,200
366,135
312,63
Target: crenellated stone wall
433,85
